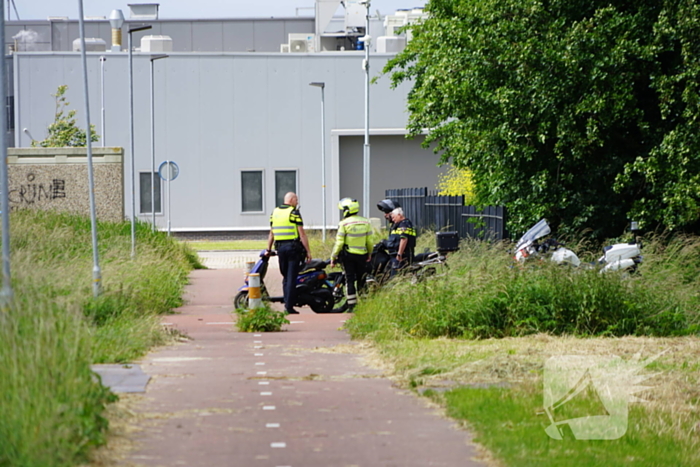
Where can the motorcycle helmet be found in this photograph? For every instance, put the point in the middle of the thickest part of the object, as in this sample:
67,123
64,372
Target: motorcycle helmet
349,207
388,205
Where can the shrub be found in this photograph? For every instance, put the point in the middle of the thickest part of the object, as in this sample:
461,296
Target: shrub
263,319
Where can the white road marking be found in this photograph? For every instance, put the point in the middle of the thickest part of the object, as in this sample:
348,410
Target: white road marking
268,407
257,335
295,322
264,383
265,393
272,425
262,372
257,342
260,363
258,347
278,445
258,355
222,322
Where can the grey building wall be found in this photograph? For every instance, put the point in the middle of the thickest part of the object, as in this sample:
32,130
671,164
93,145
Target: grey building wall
220,113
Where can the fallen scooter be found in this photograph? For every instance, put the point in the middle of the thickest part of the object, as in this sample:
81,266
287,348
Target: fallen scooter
313,288
618,257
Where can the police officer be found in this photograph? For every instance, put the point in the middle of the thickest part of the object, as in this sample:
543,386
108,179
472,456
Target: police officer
352,247
287,233
403,236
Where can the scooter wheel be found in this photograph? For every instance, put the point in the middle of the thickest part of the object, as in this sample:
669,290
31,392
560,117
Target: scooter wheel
241,300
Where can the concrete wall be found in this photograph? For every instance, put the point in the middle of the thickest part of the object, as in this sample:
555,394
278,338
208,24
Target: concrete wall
57,179
218,114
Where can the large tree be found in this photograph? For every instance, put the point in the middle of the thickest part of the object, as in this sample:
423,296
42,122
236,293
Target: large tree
583,111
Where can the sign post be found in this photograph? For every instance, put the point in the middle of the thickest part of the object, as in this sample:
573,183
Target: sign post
168,171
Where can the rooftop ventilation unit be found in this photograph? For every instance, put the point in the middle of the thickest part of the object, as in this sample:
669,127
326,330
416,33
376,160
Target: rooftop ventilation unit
92,44
156,44
284,48
143,11
301,43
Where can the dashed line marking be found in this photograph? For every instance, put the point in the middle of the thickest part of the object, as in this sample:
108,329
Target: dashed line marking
269,407
258,355
272,425
264,383
258,347
296,322
265,393
260,363
262,372
257,335
257,342
222,322
278,445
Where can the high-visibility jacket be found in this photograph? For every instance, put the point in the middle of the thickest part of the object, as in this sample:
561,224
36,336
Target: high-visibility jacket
284,221
353,236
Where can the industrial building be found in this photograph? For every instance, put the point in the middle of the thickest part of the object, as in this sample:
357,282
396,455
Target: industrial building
232,107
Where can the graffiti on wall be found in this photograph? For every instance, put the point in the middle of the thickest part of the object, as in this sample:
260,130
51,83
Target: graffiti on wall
34,192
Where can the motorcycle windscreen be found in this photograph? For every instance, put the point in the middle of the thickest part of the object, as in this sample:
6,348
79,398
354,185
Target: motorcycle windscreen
536,231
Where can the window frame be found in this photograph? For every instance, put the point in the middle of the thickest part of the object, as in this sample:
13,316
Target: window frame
159,190
262,191
296,181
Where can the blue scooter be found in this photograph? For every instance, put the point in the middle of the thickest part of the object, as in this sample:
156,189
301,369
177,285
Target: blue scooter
313,286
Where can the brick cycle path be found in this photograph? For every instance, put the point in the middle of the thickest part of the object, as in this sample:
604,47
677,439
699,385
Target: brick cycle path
296,398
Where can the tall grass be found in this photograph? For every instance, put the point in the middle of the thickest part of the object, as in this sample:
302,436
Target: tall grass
52,405
485,295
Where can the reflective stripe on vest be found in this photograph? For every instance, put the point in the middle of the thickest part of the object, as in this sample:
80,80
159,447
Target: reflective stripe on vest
282,227
355,230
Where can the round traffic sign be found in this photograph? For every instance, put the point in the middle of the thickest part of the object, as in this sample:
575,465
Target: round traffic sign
168,171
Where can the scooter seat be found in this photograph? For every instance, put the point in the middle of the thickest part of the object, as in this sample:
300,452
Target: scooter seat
314,265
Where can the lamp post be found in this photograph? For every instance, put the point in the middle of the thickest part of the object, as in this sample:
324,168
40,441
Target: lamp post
153,142
96,272
366,159
131,30
6,293
323,153
103,59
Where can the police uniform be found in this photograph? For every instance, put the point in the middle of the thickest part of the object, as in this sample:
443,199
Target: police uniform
290,251
402,229
352,246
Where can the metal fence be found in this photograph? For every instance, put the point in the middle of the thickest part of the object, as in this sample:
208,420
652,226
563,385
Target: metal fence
430,211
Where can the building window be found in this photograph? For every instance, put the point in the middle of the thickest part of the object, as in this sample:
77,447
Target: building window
285,181
145,192
252,190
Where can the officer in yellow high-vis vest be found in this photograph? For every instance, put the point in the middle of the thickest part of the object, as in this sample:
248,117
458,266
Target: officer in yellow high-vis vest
353,245
287,234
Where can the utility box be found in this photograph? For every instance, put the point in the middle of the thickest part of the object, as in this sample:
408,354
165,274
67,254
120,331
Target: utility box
92,44
156,44
447,241
390,44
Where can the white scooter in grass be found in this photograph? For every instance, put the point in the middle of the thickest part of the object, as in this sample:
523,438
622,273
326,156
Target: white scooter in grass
617,257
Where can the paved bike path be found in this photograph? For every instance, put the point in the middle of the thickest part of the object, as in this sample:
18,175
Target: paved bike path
296,398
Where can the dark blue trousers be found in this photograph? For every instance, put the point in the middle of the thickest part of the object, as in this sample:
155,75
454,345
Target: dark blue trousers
290,259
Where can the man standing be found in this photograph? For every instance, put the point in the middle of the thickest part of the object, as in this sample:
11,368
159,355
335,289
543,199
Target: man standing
287,233
404,236
352,247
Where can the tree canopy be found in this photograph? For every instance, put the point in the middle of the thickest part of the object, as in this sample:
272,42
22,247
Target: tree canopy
582,111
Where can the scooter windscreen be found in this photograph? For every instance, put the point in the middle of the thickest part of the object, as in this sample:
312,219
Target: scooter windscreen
536,231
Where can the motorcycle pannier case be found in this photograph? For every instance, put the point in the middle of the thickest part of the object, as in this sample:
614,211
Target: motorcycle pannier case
447,241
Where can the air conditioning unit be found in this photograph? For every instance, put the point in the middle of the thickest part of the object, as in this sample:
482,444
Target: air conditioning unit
302,43
284,48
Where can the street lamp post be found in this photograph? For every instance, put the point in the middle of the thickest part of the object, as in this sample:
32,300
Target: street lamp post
6,293
153,142
133,29
96,272
366,153
323,153
103,59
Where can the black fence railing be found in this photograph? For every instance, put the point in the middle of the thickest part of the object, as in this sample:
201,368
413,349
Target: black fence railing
430,211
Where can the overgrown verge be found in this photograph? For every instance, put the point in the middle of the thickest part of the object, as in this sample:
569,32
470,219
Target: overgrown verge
51,410
483,294
477,338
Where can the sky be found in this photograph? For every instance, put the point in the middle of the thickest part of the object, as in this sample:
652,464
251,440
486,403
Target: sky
187,9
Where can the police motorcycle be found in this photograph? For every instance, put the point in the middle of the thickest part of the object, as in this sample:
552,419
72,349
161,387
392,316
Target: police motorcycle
313,287
617,257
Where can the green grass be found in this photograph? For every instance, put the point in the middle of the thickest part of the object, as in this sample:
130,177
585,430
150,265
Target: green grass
460,336
227,245
52,409
511,424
